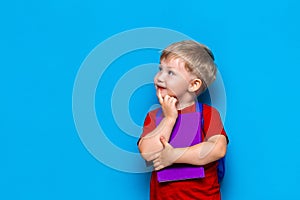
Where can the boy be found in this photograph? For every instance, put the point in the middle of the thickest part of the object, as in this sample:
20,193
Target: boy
186,70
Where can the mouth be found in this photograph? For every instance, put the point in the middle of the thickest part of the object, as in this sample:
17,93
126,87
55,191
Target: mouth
164,91
159,88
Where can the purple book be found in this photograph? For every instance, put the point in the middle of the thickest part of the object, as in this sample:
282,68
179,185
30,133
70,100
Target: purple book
186,132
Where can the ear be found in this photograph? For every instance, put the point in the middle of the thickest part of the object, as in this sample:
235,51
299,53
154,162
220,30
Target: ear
195,85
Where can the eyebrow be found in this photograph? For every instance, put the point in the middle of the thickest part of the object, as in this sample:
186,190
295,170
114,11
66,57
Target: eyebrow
166,66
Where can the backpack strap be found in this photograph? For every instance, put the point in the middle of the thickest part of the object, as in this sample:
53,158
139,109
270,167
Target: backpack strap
221,161
200,107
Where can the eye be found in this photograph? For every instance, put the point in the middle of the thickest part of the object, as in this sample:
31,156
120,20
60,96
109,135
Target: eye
171,73
159,68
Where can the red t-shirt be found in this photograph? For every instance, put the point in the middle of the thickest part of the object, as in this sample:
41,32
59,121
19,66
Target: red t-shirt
206,188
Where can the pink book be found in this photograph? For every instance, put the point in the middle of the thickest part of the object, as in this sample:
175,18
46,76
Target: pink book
186,132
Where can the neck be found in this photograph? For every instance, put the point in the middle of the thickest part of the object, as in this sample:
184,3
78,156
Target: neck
182,105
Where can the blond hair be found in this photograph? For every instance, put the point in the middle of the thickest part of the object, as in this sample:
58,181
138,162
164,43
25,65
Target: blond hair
199,60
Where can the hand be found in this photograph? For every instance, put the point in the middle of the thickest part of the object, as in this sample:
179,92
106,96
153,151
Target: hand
164,158
168,105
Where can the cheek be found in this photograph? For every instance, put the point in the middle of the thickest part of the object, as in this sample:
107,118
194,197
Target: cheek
155,77
178,86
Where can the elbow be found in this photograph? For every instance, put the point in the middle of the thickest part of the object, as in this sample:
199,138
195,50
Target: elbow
145,155
221,151
221,147
141,146
141,150
148,148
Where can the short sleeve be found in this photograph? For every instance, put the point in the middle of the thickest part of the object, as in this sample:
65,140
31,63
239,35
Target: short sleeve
149,123
212,123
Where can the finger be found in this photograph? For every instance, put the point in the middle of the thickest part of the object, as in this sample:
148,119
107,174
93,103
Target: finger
171,99
154,156
163,141
160,99
174,101
159,167
166,98
156,164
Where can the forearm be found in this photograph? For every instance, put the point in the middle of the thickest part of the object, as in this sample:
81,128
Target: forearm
150,143
203,153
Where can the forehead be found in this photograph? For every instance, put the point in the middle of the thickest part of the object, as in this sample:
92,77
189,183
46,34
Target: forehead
176,63
179,65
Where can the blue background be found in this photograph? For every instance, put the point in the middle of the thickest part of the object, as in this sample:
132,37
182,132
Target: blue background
43,43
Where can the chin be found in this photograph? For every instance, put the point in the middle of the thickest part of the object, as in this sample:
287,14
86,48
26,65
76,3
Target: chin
163,94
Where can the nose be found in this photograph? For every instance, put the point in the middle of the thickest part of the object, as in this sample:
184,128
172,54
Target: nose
159,77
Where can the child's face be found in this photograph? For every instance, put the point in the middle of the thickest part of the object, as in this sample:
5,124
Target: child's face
173,79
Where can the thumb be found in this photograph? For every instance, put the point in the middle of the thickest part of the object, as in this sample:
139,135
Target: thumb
164,141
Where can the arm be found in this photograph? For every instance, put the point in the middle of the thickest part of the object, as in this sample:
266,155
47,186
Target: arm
213,148
206,152
200,154
150,143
